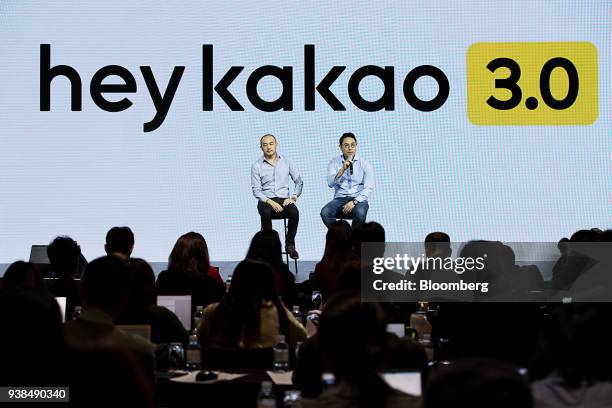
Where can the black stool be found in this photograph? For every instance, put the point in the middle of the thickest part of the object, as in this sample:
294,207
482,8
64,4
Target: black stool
281,216
346,217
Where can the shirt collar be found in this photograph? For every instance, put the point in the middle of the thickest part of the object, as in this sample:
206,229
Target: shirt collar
262,159
354,158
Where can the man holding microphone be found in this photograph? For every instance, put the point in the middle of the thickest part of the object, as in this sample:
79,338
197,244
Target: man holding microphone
352,179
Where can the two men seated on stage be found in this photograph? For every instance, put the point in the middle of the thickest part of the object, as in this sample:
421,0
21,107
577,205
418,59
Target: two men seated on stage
352,179
270,182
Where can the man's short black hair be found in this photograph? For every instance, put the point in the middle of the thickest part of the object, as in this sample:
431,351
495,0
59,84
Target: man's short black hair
437,243
105,282
64,253
119,239
266,135
437,237
346,135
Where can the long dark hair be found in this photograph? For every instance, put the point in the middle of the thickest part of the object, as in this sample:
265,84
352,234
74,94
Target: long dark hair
25,273
337,245
238,316
143,284
266,246
575,343
190,254
352,336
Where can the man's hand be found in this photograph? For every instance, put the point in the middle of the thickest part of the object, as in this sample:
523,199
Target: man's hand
345,166
289,201
348,207
275,206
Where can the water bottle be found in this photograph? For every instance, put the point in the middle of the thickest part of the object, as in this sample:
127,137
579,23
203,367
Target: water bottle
281,354
317,300
77,312
419,322
228,283
266,397
297,313
298,345
176,356
427,344
197,317
194,354
291,398
328,379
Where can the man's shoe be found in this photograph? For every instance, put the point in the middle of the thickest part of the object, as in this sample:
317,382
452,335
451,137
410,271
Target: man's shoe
290,249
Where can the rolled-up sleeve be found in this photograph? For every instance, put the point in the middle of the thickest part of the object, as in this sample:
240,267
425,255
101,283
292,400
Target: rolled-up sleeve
256,183
297,180
368,182
332,170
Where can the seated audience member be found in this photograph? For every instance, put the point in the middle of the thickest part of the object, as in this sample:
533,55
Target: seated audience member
490,329
120,242
105,287
368,232
478,384
353,341
431,244
251,315
64,253
573,262
373,233
105,377
188,272
437,245
337,252
404,354
572,364
266,247
23,273
32,348
142,307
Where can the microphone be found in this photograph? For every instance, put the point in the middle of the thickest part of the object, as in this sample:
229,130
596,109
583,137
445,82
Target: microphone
351,164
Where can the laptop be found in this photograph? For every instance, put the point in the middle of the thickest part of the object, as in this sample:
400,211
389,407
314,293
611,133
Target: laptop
180,306
408,382
399,329
38,256
61,301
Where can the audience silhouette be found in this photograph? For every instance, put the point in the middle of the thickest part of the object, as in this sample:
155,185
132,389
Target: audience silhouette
476,348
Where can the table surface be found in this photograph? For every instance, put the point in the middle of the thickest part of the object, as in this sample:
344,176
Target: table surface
241,392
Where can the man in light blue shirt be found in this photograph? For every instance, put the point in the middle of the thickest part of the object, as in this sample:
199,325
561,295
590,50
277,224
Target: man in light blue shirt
270,182
352,179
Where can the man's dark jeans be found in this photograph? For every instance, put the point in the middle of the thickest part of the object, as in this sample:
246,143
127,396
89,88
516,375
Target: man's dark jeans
333,210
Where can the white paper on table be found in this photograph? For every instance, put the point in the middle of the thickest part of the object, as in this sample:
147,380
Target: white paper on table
281,377
221,376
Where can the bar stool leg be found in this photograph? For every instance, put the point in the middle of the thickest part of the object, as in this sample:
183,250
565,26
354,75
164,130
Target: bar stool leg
285,230
286,225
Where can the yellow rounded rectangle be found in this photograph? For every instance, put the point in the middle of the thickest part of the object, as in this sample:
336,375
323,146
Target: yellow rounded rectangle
532,83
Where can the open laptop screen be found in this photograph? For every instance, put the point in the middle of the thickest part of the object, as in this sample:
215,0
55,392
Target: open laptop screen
180,306
405,381
61,301
38,254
